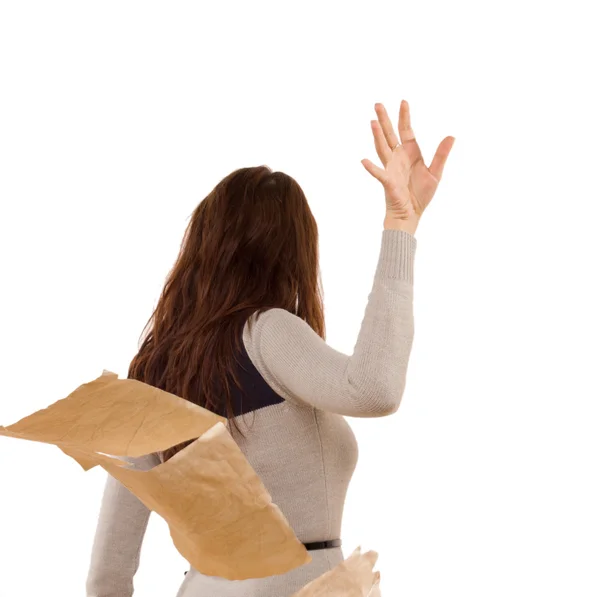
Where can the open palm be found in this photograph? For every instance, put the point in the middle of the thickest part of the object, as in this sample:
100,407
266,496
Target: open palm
409,184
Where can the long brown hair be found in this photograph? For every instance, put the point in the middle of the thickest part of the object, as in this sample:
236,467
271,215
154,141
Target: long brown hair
251,244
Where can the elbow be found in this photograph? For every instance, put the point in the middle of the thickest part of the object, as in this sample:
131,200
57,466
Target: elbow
383,399
388,405
392,406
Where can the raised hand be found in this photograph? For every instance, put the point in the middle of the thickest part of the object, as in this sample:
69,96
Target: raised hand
409,184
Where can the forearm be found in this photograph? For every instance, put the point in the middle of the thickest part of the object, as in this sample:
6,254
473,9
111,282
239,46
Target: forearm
122,523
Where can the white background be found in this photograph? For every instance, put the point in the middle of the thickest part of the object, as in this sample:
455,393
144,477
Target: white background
117,118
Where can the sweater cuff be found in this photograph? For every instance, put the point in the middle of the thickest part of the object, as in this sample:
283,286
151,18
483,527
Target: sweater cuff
397,255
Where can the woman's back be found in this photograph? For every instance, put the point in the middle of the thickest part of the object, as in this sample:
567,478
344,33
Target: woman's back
305,458
296,438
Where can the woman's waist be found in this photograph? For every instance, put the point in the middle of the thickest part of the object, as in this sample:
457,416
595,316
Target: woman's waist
282,585
328,544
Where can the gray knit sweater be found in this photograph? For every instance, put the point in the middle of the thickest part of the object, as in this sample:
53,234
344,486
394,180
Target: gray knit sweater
299,444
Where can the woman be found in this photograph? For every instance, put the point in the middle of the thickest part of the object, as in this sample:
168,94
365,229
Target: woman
239,330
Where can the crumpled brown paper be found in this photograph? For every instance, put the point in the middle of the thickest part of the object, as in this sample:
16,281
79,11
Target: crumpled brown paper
220,515
354,577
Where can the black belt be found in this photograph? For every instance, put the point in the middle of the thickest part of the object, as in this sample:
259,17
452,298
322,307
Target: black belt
318,545
323,544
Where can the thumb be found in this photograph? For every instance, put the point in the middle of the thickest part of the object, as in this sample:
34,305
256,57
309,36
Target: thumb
377,172
440,157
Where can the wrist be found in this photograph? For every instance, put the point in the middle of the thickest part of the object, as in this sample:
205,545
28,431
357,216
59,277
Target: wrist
395,223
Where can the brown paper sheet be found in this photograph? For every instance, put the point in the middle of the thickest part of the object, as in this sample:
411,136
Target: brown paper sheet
354,577
220,515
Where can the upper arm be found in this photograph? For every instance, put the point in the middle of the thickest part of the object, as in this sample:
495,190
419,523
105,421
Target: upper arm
122,523
302,367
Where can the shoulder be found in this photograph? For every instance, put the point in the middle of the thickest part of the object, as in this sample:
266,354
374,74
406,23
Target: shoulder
273,340
272,314
271,319
274,326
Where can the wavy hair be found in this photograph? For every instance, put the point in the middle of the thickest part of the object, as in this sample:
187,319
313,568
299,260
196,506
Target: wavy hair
251,245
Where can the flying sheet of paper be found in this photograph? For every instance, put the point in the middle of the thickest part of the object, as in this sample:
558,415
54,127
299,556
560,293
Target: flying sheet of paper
354,577
220,515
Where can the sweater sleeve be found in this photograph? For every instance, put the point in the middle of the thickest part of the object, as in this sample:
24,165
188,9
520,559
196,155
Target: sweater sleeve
300,366
122,524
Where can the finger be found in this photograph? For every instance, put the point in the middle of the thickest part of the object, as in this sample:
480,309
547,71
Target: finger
386,125
440,157
383,149
407,134
378,173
